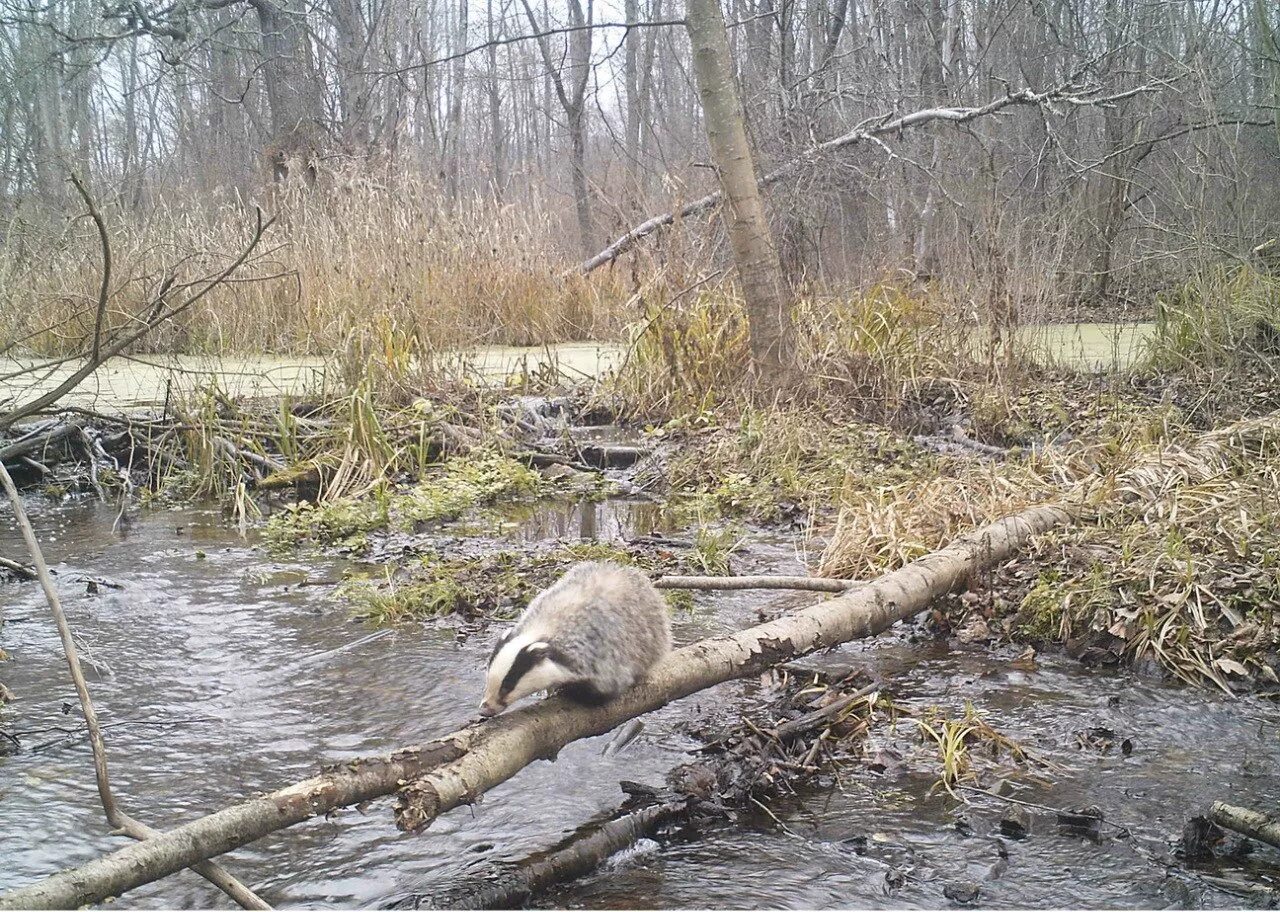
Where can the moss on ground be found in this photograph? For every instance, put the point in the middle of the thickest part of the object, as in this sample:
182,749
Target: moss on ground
459,485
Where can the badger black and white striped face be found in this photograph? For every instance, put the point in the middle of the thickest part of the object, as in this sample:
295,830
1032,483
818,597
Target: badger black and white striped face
522,664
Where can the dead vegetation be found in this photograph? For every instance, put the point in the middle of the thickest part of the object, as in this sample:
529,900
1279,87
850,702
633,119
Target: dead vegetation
347,266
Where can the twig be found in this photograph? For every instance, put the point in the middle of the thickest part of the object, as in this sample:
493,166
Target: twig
867,131
104,291
806,723
120,342
71,735
1124,830
805,583
211,871
39,440
92,458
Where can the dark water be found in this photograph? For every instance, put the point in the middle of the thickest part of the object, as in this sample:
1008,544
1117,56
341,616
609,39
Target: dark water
234,672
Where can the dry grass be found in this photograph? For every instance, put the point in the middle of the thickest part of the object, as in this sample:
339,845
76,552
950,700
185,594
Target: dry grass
880,350
882,530
1222,316
353,262
1186,573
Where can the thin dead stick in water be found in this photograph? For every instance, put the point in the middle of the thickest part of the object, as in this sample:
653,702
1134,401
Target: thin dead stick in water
211,871
1066,812
805,583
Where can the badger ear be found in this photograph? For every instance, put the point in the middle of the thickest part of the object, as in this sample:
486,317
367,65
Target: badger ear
544,651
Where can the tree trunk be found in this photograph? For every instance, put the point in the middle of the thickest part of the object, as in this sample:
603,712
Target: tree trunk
293,90
353,85
453,134
754,253
631,66
498,134
572,97
581,195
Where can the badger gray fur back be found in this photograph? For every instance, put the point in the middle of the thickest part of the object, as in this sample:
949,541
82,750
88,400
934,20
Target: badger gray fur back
593,634
608,619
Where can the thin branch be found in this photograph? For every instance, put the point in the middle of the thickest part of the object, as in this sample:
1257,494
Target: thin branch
803,583
104,291
120,343
532,36
867,131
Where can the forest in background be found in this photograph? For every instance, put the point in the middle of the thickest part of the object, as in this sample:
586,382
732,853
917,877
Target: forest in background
456,157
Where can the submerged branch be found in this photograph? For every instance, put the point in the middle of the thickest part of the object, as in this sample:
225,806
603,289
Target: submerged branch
581,853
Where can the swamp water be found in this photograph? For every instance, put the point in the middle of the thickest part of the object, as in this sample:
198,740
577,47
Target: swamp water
222,671
146,380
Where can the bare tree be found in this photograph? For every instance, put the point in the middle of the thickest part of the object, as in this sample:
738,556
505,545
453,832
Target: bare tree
570,84
754,253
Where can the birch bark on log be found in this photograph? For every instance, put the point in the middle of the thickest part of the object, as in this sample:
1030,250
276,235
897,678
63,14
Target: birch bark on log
1251,823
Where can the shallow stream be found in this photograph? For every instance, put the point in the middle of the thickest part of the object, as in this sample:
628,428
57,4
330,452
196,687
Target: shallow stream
222,671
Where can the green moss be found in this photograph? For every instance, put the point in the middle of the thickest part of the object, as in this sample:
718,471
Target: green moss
1061,601
445,494
464,483
341,523
391,602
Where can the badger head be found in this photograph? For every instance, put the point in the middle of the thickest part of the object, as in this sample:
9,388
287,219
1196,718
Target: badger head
522,664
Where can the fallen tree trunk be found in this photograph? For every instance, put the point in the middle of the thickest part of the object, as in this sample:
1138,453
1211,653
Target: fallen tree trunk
1251,823
39,440
460,767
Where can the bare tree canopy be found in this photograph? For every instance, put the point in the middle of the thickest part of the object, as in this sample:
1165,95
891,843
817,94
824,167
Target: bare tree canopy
591,114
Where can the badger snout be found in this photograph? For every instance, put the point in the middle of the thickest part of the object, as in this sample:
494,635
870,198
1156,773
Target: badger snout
489,708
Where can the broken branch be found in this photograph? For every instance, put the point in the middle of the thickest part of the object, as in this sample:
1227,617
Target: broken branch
1251,823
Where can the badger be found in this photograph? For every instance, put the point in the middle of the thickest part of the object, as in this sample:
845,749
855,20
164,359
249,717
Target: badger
591,636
